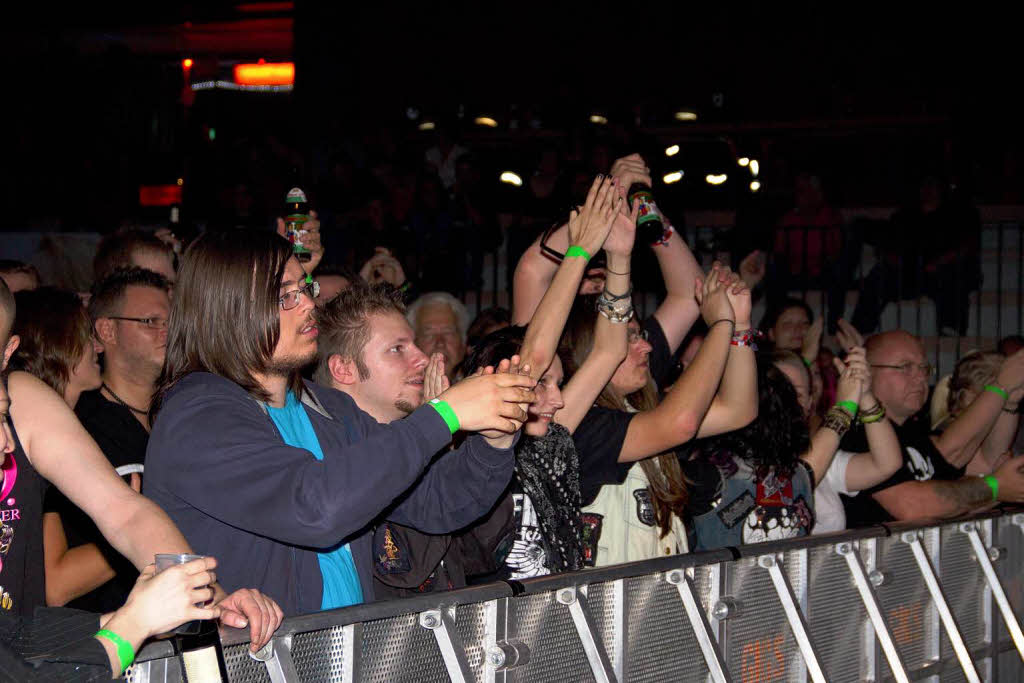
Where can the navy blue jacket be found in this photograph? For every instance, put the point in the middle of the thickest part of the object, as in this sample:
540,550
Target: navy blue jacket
218,466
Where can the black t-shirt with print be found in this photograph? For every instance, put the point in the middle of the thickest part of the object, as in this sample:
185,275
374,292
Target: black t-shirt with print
922,461
22,578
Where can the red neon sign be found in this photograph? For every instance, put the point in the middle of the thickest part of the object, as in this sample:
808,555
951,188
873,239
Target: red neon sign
270,73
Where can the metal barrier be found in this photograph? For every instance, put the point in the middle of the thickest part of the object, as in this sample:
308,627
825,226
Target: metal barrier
896,602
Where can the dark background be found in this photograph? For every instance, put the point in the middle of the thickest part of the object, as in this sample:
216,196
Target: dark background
868,97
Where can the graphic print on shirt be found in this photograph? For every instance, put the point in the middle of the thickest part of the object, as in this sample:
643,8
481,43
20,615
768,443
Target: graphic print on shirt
528,554
591,523
8,515
777,513
919,466
644,507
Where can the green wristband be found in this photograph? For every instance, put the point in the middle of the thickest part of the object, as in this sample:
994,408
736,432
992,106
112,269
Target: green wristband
446,413
576,251
848,406
993,484
997,390
125,652
808,363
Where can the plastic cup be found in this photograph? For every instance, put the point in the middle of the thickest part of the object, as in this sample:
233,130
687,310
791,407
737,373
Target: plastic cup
165,560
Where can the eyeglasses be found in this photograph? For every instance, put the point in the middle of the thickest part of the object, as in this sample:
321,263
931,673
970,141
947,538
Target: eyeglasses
151,323
290,300
633,336
907,369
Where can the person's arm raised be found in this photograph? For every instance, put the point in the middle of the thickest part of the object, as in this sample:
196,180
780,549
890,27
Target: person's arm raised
965,435
884,456
534,273
679,268
735,404
588,229
610,339
825,441
676,419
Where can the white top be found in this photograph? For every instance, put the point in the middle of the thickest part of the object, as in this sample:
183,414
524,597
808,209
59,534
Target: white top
828,509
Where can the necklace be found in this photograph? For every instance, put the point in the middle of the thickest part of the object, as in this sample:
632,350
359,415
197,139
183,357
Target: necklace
122,402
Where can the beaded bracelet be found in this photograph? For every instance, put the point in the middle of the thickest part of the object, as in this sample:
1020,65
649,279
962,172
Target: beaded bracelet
838,420
870,415
747,337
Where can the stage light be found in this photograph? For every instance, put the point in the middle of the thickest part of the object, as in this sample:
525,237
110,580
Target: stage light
755,185
686,115
673,177
187,63
715,178
672,151
426,125
181,181
598,119
743,161
511,178
265,73
485,121
754,167
212,134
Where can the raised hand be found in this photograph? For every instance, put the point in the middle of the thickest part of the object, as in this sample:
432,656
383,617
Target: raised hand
623,234
848,336
739,298
631,169
812,340
852,376
712,296
435,382
310,238
1011,375
591,223
752,268
383,267
491,401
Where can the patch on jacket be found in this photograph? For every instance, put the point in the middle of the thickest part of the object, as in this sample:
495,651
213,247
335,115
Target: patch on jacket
644,507
591,535
733,513
390,557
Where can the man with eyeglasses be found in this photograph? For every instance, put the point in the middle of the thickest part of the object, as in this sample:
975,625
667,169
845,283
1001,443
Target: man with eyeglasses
129,309
281,478
931,483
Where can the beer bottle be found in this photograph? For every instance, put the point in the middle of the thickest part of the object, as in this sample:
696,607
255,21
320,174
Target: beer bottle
296,213
202,655
649,228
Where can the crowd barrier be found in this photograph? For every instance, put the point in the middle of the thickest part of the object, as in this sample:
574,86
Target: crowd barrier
895,602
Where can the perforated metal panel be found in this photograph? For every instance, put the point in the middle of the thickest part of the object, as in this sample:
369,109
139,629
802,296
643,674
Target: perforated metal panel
905,601
660,644
836,615
1010,667
318,655
242,668
965,587
1010,569
601,599
399,649
545,627
470,622
759,645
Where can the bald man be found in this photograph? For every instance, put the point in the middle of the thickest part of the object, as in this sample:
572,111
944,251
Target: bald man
931,483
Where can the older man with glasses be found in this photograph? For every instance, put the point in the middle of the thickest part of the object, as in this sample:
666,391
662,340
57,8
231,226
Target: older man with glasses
931,483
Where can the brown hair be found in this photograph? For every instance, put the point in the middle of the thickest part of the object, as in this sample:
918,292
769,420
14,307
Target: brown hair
345,325
664,475
55,331
7,310
115,251
225,317
108,293
972,372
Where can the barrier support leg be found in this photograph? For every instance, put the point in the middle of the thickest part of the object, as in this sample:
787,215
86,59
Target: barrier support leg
449,642
912,539
277,657
701,628
793,614
600,665
870,600
981,554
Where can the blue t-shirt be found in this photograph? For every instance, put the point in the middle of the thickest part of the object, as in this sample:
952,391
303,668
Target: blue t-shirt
341,582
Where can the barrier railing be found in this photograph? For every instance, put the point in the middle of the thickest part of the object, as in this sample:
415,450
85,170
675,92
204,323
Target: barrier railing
896,602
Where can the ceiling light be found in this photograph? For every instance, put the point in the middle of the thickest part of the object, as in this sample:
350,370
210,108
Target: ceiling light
426,125
511,178
755,185
715,178
673,177
743,161
672,151
485,121
598,119
686,115
754,167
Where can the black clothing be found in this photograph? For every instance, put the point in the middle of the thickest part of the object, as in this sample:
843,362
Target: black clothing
123,439
922,461
22,578
57,644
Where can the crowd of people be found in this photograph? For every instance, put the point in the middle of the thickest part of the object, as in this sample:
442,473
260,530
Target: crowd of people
328,437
